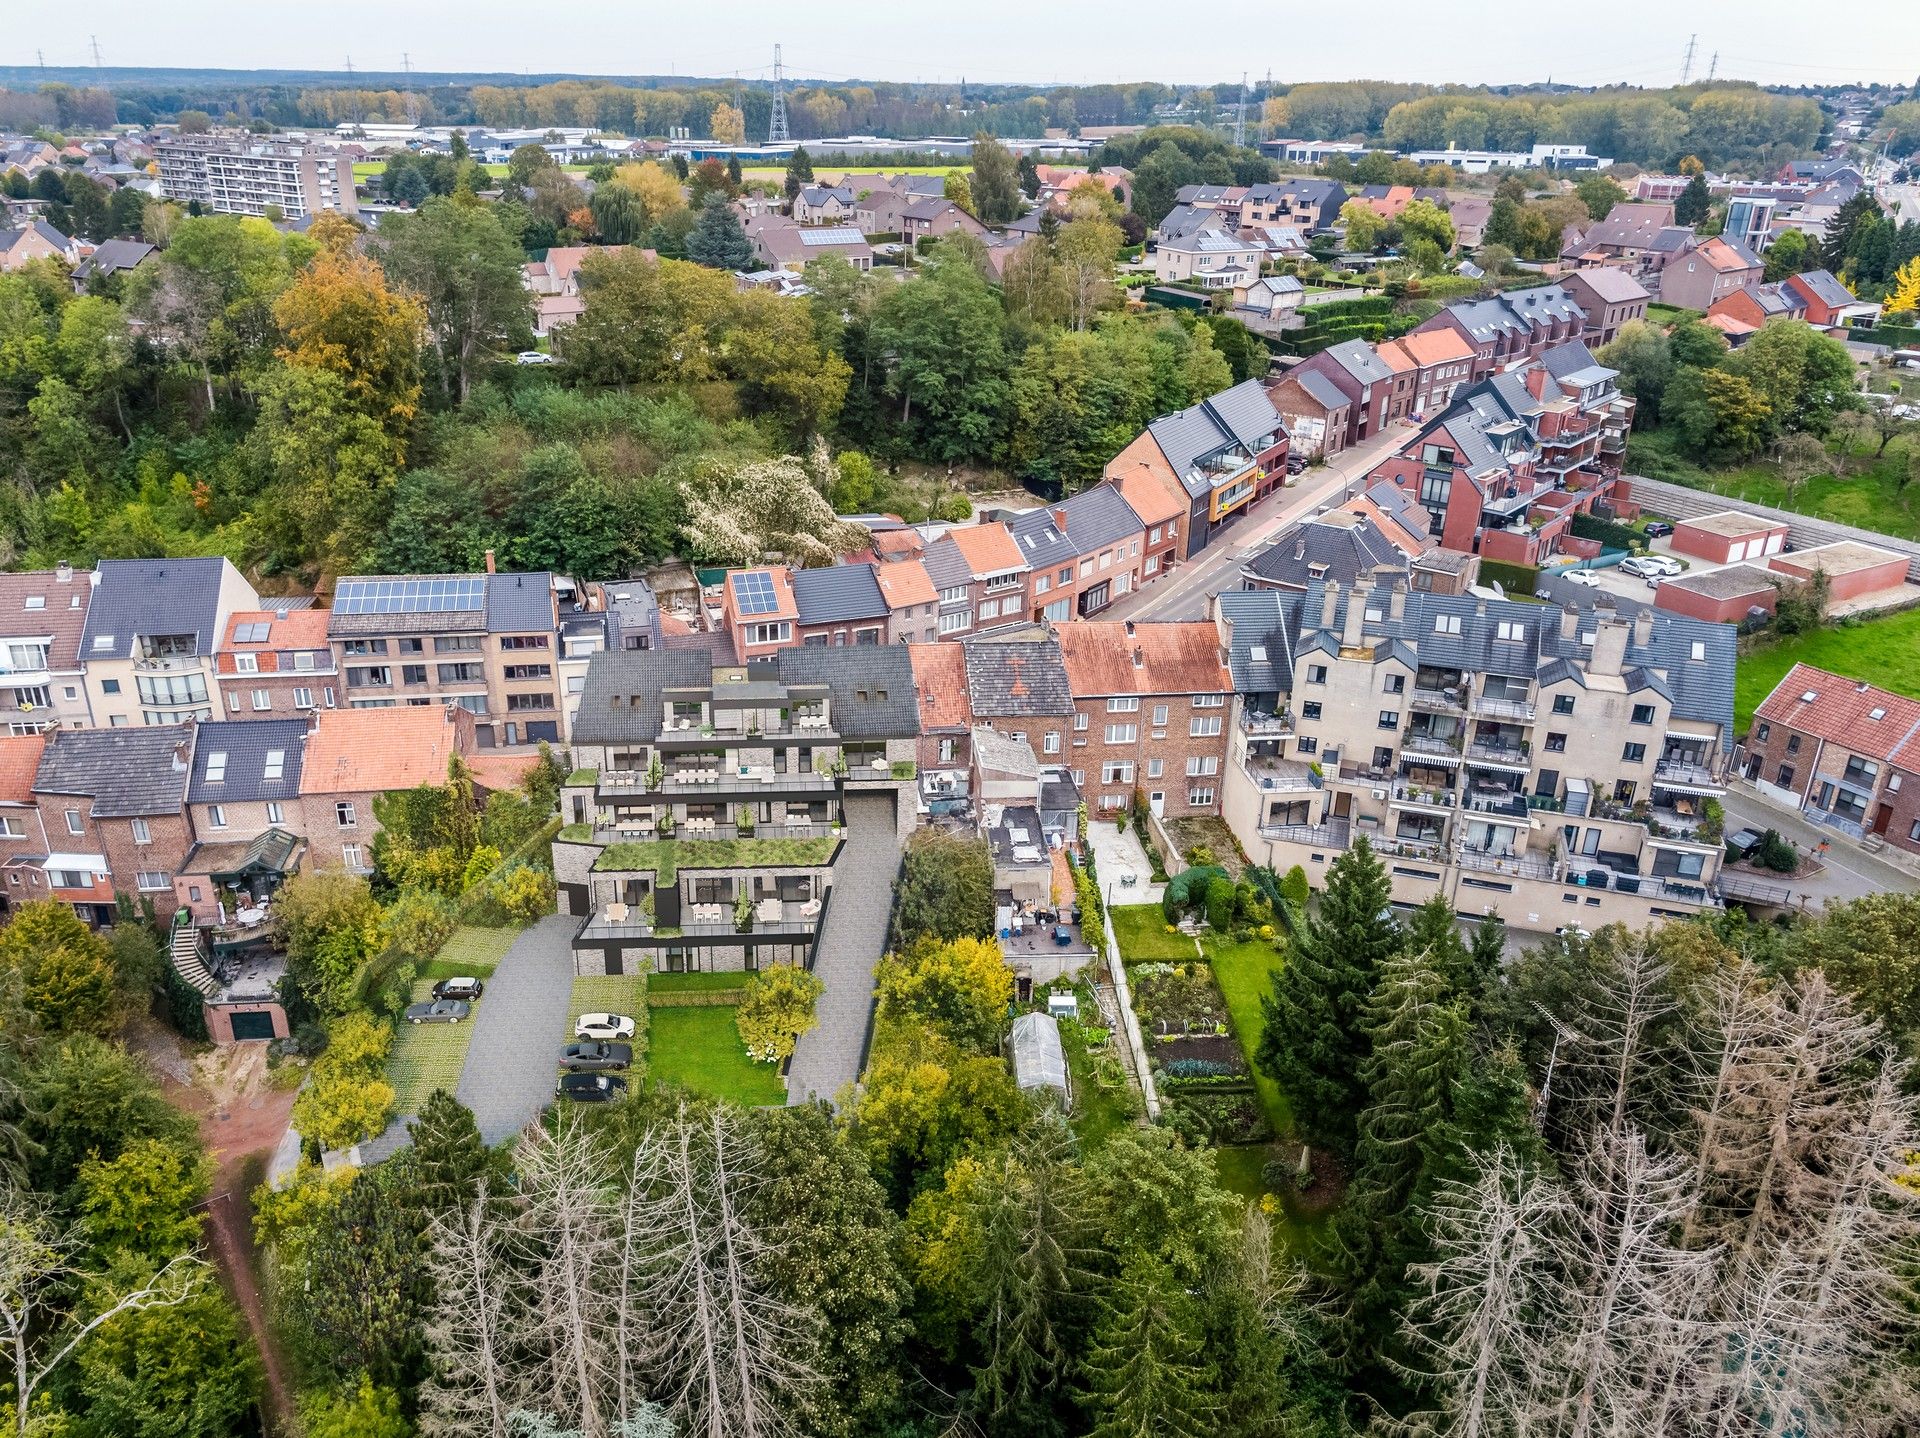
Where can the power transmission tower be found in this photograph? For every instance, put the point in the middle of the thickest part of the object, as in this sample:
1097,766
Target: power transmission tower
41,56
96,50
353,92
777,122
1266,93
1240,115
1713,67
413,100
1686,65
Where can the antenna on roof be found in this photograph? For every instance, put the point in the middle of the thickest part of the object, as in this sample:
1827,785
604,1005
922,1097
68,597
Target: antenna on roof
777,121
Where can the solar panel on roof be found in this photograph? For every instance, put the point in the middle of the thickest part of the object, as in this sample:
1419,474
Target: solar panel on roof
753,594
449,594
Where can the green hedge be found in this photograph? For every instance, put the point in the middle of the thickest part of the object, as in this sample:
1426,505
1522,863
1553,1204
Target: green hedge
1614,536
1370,307
1900,337
1514,578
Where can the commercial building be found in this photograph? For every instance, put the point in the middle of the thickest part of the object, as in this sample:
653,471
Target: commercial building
246,175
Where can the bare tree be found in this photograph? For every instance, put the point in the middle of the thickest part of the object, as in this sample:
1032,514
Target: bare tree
1619,1067
34,1256
469,1393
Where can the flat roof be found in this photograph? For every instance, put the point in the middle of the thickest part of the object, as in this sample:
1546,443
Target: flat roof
1733,582
1733,523
1845,556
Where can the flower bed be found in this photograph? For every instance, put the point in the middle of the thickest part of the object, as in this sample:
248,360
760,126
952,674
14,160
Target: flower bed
1229,1116
1177,999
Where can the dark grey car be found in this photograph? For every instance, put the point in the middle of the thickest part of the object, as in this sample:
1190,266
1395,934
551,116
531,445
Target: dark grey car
592,1054
440,1011
590,1088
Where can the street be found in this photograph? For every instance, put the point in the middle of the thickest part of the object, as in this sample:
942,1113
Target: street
1851,873
1185,594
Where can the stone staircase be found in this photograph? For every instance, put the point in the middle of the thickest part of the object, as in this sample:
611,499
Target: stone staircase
189,962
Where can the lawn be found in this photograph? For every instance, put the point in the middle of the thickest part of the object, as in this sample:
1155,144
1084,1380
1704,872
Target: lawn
1883,651
1098,1111
425,1057
1244,972
1671,314
472,952
1142,932
700,1050
698,983
666,857
1869,497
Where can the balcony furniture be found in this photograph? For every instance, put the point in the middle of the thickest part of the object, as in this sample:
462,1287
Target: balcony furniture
767,911
810,909
616,913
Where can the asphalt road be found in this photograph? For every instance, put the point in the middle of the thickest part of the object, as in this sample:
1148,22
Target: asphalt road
1850,873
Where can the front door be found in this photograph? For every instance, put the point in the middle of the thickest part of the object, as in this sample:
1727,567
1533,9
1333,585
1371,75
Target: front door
1157,801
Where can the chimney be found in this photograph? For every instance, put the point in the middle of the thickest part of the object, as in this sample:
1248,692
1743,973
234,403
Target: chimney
1569,621
1397,603
63,573
1139,657
1300,548
1350,631
1329,599
1609,646
490,561
1060,520
1643,629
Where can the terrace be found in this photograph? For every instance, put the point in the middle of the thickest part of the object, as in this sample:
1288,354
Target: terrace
664,858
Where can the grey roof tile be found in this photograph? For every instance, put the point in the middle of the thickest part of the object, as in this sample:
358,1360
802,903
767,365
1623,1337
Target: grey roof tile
837,594
152,596
1017,679
126,772
246,745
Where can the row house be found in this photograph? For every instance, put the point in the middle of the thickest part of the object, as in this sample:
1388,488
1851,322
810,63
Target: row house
1216,460
276,663
980,576
152,629
1318,413
945,755
1518,325
1017,687
1150,710
483,642
1844,753
1626,234
1428,369
245,811
706,813
1610,298
113,809
1082,553
1362,377
1707,273
1555,765
1815,296
1153,492
765,610
43,616
23,837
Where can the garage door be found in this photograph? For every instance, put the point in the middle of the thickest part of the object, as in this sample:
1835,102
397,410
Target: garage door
253,1026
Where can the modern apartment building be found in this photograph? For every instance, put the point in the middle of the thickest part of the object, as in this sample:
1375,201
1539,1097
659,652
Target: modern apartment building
152,629
43,613
1556,765
484,642
233,174
707,808
1216,459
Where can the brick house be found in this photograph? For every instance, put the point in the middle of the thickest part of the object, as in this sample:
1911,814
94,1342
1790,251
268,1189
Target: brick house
981,577
1610,298
1147,483
913,605
243,803
1428,369
1018,688
1707,273
1150,711
1317,412
354,755
946,719
1353,368
42,681
1518,325
23,837
1841,751
275,663
152,628
930,219
1085,552
113,805
1626,233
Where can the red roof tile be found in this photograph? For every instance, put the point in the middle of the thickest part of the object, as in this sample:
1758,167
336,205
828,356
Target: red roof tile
1173,658
20,761
940,676
1862,718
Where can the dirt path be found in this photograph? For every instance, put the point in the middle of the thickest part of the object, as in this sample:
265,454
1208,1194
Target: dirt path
241,1118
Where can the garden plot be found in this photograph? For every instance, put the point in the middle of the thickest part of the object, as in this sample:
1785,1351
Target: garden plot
1198,1063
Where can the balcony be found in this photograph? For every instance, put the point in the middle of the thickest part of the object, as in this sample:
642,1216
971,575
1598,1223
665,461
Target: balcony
166,663
1510,758
1282,776
1426,798
611,829
1499,803
1263,725
1431,748
1686,777
1331,835
1508,862
1518,711
1451,700
790,924
711,782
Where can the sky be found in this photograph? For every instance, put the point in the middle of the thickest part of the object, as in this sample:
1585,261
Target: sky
1638,42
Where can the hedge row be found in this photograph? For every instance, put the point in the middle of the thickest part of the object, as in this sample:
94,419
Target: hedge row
1900,337
1514,578
1614,536
696,998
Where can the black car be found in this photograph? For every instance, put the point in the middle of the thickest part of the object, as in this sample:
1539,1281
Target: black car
590,1088
468,989
591,1054
1658,528
440,1011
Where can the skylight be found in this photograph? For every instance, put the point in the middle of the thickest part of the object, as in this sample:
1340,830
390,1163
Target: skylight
216,766
276,764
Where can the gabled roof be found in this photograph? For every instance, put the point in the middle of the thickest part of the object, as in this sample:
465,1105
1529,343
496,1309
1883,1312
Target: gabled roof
1865,719
870,687
111,256
1359,359
19,764
38,603
1017,678
1260,654
837,594
126,772
1241,415
1825,287
360,751
1341,546
1146,488
987,549
1631,223
1118,657
1093,519
940,676
1322,389
152,596
271,632
231,761
904,582
1611,284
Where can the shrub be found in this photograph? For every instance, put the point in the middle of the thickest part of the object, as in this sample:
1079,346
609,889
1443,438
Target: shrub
1188,889
1775,853
1295,889
1220,903
418,922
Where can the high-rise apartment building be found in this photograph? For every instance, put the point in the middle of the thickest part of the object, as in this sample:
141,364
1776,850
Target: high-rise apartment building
243,174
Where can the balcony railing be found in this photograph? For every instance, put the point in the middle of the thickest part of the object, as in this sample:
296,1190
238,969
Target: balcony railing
1518,866
1501,756
1504,802
1257,722
1496,708
1331,835
1445,701
1283,776
1432,746
1684,773
1423,796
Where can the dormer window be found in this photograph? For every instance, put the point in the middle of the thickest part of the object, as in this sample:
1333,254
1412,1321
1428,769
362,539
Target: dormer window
102,643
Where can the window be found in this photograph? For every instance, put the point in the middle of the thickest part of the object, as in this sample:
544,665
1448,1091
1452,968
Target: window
1310,709
1123,706
109,686
462,673
350,856
1086,567
1761,732
150,880
262,699
1556,743
365,646
275,813
1199,764
36,601
1563,704
1642,714
1203,726
10,828
1698,651
1050,742
217,815
233,701
1209,701
958,620
1784,776
1316,674
774,632
946,751
1059,611
246,663
1396,684
523,641
457,644
1446,624
417,673
343,814
1389,718
1066,575
1042,583
377,676
303,699
1159,716
1860,772
1080,721
1633,753
1122,733
1306,744
141,833
1510,631
1156,767
1200,798
275,765
1117,771
1793,743
989,609
523,702
303,659
954,594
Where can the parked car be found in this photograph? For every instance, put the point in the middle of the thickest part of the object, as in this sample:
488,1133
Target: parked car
1666,564
603,1026
1658,529
590,1088
440,1011
1646,568
1585,578
532,357
468,989
1741,842
592,1054
1296,463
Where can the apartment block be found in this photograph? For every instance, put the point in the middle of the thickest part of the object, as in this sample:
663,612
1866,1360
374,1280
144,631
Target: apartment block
233,174
483,642
275,664
1216,459
152,629
1554,764
1083,553
1151,707
43,614
709,804
1518,325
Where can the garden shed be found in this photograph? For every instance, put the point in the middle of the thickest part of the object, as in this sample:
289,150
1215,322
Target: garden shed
1038,1060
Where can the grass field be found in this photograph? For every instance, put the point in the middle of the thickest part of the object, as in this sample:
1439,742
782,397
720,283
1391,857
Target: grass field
1142,932
1869,496
696,983
1671,314
1243,972
1882,651
471,953
700,1050
425,1057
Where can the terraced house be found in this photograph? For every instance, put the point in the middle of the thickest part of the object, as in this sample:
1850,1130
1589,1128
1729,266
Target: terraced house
710,804
1216,459
1560,766
42,615
150,637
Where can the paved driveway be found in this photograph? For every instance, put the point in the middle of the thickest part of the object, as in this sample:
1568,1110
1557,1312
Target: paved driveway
829,1055
517,1030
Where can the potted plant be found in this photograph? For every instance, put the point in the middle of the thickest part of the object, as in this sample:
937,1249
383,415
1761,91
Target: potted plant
743,821
666,825
647,909
743,910
656,772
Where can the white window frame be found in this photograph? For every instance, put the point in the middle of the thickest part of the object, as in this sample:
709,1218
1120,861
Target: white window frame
142,831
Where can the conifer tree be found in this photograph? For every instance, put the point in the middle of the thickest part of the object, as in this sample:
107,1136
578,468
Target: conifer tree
1314,1043
1145,1371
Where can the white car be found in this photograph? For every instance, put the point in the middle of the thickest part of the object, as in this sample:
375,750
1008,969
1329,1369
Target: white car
532,357
1650,566
603,1026
1585,578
